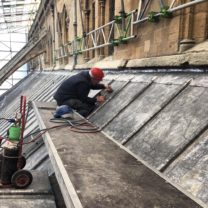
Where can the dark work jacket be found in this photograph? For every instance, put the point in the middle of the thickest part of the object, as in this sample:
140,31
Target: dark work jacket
77,87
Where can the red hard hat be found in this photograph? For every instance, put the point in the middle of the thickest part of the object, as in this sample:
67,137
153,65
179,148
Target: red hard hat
96,73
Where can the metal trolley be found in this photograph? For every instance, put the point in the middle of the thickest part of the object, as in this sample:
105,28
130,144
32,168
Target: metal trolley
12,161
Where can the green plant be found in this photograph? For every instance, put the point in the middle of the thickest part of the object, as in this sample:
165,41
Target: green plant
122,39
165,12
78,52
78,39
118,19
115,42
153,17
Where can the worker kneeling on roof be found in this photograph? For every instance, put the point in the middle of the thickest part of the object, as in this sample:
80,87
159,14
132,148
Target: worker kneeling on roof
74,91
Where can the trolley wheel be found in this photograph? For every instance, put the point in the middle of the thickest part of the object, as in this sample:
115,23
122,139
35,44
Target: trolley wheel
22,162
21,179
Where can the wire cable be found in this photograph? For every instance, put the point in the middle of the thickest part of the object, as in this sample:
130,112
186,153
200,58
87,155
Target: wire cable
41,132
77,125
80,126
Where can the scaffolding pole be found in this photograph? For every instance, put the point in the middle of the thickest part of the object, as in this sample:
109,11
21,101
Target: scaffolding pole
183,6
171,9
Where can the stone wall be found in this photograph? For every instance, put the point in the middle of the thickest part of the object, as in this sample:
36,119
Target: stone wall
168,36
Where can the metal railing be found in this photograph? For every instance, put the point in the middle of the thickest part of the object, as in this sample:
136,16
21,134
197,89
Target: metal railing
112,33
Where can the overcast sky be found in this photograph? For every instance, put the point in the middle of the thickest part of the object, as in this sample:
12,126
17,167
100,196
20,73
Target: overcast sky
10,44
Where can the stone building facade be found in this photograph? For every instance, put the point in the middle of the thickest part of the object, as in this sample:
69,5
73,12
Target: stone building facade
109,33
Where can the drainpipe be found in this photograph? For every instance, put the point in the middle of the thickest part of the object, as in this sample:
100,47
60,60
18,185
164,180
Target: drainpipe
123,15
122,7
87,16
80,10
75,34
54,52
102,13
87,24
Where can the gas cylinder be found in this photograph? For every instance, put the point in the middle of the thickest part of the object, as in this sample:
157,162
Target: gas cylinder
14,133
9,160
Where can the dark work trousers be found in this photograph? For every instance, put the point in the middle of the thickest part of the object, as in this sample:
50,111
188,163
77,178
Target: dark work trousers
83,109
